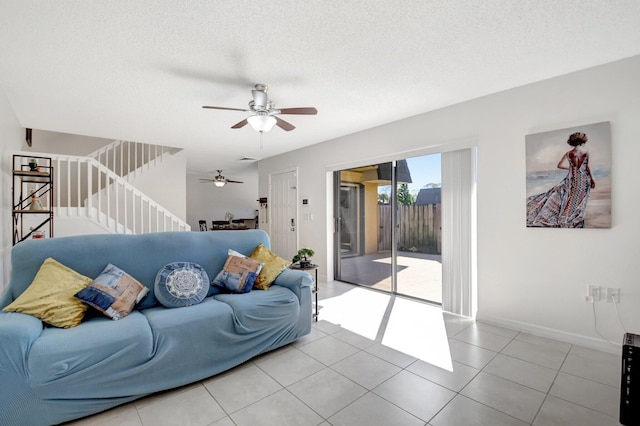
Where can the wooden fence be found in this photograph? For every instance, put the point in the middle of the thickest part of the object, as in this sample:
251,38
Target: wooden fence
419,228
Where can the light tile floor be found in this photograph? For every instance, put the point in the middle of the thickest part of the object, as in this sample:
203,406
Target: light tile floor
368,364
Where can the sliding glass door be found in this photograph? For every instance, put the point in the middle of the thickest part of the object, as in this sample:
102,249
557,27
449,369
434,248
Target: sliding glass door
388,227
361,233
351,210
419,230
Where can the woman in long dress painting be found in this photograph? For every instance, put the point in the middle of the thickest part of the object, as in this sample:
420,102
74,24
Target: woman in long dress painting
564,205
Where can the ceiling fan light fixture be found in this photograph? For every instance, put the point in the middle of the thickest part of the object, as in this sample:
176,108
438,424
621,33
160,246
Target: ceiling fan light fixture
219,180
262,123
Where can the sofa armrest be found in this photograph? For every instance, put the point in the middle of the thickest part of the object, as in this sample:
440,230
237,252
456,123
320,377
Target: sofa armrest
5,298
17,334
294,281
19,402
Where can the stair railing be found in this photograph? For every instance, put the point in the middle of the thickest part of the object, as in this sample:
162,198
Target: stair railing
85,187
127,158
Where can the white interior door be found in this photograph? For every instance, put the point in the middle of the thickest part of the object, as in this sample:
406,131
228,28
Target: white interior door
284,214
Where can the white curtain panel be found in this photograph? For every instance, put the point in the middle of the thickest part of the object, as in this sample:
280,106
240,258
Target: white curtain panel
459,232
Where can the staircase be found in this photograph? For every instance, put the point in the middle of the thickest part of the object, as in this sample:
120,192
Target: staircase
92,194
129,159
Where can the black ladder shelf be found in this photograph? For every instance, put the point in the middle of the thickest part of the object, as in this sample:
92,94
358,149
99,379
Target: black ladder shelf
32,195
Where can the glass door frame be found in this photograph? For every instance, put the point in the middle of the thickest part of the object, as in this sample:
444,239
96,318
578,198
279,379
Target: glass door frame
357,243
394,227
338,219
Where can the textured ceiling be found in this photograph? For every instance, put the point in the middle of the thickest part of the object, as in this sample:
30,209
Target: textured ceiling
141,70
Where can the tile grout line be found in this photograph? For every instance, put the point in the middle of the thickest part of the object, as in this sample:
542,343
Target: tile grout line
579,377
552,383
482,370
456,394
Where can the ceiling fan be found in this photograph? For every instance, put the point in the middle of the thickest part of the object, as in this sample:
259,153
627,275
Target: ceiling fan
220,180
265,114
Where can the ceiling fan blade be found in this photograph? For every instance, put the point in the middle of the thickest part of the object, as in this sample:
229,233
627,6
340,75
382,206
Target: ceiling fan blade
233,181
225,108
207,180
284,125
240,124
300,111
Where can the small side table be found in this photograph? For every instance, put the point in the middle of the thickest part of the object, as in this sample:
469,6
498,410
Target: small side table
314,289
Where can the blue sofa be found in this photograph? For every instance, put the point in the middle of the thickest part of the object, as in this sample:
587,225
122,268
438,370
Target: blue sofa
50,375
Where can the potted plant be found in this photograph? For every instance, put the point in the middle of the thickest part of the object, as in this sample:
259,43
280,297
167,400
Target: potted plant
303,257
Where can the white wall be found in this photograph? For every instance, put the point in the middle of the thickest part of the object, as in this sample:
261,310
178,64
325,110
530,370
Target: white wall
65,143
12,136
531,279
166,184
67,226
207,202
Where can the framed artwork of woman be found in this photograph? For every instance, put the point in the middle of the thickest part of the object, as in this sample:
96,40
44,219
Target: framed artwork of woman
569,177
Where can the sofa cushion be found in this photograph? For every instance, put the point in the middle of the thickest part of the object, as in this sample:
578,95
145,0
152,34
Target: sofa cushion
238,274
50,295
114,292
254,312
91,360
180,284
273,266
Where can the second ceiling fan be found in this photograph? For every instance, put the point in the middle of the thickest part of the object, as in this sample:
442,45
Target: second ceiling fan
220,180
265,114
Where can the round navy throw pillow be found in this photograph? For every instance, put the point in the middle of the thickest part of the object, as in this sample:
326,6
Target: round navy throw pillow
181,284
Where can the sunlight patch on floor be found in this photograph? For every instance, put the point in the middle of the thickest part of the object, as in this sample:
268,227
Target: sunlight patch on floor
414,328
360,311
417,329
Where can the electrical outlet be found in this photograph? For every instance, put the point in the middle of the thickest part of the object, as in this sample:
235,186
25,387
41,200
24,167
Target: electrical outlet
613,294
594,294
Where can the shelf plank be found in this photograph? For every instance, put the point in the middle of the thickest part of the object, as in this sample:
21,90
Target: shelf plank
31,211
30,173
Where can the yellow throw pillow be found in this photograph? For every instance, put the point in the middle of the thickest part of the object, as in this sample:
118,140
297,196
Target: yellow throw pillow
273,265
50,297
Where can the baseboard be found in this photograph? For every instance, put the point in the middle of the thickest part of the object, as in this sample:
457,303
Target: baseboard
574,339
